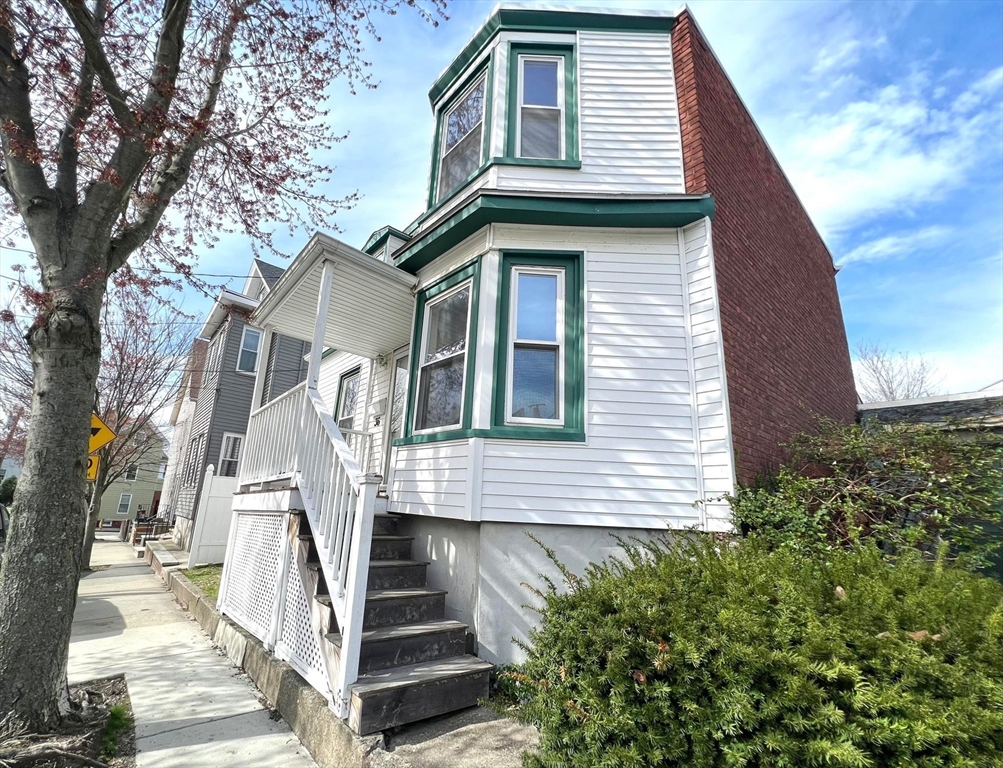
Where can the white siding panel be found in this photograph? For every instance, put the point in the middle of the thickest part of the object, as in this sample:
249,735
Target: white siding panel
638,466
454,258
430,479
628,121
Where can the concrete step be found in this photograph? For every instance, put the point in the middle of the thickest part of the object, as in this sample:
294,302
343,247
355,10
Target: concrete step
399,646
397,574
385,524
391,548
404,695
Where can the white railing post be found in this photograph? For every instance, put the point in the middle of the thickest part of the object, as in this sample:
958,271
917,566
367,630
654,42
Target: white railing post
355,594
316,353
281,587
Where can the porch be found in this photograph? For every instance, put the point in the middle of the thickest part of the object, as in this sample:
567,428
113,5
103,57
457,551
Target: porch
315,567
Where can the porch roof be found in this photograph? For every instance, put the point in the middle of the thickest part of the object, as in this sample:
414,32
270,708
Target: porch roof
371,306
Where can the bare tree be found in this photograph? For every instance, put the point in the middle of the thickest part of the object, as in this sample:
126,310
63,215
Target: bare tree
110,113
884,375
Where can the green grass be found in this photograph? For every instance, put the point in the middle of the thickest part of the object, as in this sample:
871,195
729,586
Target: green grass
118,721
206,578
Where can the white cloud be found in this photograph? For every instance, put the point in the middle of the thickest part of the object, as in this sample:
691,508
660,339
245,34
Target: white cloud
897,245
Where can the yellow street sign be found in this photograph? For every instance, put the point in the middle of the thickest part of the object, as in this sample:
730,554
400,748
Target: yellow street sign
101,434
93,463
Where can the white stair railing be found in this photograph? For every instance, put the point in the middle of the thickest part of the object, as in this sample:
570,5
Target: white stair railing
272,438
340,502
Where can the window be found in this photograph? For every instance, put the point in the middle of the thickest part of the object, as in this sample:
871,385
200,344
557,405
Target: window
539,387
442,359
124,502
162,470
131,472
348,398
229,456
247,358
542,106
461,142
535,372
540,132
194,461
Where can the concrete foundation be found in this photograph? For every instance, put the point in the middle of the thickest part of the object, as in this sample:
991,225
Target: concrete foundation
486,567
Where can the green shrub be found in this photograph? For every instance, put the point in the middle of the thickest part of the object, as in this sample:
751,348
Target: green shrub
705,653
905,487
7,488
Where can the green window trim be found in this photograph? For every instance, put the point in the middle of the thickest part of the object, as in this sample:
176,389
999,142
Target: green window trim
573,406
566,52
472,272
487,70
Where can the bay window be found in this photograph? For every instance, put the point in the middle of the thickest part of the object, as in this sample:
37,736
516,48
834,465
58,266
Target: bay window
461,139
442,359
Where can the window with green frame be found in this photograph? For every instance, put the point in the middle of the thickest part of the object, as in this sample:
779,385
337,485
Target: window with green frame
539,387
442,361
542,123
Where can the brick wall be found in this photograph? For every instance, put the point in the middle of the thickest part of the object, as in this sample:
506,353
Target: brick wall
784,342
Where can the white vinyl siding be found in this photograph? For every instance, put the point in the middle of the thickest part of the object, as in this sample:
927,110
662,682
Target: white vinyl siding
628,121
430,479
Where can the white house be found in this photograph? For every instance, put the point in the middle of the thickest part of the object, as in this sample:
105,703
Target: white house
560,346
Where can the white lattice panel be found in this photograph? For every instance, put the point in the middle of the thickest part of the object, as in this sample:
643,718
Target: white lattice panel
299,640
253,571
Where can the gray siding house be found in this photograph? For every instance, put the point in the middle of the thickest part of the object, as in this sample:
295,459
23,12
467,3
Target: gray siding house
215,434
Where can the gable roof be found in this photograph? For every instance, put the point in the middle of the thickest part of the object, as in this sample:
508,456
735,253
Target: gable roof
269,272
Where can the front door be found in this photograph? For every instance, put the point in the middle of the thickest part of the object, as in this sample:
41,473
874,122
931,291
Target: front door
398,403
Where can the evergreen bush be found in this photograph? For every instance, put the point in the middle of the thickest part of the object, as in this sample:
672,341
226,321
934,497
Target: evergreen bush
7,488
706,653
904,487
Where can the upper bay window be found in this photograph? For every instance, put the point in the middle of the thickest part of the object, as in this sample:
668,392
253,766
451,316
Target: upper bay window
540,132
461,144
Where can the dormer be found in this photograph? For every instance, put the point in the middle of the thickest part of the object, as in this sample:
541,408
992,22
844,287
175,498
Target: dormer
557,102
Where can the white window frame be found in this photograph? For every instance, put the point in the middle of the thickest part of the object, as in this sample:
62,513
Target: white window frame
342,380
483,81
128,508
561,106
131,473
513,341
257,351
469,285
162,470
222,451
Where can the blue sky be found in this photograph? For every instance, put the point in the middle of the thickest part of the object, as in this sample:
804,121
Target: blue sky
887,117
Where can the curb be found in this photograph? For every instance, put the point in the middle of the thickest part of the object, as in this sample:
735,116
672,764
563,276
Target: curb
326,737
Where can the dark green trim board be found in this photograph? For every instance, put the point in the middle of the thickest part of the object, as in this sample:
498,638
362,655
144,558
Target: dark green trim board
567,53
530,20
539,162
510,433
490,208
380,237
486,69
574,345
472,272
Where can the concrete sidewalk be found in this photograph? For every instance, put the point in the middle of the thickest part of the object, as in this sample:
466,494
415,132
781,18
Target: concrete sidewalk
192,707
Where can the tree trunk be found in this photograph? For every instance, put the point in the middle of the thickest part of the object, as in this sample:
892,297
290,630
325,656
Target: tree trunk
41,565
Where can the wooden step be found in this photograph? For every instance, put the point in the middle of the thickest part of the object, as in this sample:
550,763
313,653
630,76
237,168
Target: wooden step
391,547
390,607
385,524
389,698
397,574
398,646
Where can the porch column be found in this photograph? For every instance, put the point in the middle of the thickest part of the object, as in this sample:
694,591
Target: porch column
257,399
320,326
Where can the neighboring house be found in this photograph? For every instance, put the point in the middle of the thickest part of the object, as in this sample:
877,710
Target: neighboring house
181,419
10,468
137,492
217,404
613,309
